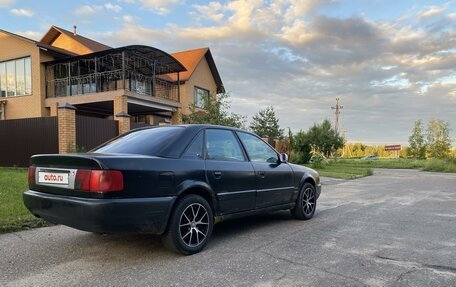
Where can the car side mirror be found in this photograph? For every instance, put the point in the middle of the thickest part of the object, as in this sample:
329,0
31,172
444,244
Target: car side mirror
283,157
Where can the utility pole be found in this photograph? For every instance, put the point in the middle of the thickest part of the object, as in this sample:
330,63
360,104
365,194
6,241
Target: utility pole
337,109
346,150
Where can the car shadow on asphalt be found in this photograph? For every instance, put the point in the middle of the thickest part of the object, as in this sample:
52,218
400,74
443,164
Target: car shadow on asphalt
147,244
234,227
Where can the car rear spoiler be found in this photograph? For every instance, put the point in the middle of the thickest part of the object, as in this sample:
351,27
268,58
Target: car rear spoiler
66,161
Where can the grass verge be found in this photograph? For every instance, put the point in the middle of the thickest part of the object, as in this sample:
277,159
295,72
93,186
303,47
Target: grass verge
13,214
345,173
355,168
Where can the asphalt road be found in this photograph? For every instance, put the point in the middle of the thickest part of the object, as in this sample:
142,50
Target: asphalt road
396,228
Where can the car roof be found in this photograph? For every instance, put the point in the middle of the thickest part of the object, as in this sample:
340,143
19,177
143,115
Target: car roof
197,127
209,126
191,130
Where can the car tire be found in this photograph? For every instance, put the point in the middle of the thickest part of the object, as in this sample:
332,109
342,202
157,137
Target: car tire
306,204
190,226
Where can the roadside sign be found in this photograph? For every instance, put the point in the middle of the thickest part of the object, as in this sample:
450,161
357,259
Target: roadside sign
393,147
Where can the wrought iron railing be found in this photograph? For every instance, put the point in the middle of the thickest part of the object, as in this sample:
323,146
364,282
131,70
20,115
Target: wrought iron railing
111,81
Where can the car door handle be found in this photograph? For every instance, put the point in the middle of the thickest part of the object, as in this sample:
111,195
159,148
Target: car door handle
217,174
261,174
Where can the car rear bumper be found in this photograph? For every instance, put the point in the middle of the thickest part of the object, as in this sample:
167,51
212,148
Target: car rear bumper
128,215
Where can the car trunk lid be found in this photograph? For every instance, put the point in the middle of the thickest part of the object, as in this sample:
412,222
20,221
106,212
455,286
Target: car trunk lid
58,174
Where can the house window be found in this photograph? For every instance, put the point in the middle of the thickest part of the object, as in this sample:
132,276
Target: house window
200,96
16,77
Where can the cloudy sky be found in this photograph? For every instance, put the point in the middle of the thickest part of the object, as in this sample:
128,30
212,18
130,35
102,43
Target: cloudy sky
390,62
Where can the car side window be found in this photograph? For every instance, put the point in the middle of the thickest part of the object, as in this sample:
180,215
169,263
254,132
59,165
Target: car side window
222,145
257,149
195,150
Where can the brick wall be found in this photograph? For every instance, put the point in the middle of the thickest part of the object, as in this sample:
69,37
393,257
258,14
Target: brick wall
28,106
121,113
201,77
67,129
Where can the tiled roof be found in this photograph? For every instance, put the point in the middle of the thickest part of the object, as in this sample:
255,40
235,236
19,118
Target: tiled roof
190,59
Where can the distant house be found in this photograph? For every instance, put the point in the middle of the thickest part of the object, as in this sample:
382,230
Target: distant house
142,82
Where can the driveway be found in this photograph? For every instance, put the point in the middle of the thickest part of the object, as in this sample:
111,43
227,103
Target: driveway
396,228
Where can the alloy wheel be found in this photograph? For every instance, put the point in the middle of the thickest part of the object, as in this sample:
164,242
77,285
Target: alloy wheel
194,225
308,201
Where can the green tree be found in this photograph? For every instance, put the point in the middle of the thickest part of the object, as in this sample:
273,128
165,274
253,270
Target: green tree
438,139
417,143
324,138
215,111
301,148
320,137
266,123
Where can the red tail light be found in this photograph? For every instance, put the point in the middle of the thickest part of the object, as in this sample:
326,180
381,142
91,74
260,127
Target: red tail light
99,180
31,174
82,180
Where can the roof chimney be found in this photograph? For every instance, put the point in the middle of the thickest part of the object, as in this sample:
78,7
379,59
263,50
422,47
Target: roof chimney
74,30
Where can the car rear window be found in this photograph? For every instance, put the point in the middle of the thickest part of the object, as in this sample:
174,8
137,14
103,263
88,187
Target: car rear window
147,141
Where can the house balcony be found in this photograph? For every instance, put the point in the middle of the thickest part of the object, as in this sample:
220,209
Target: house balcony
144,74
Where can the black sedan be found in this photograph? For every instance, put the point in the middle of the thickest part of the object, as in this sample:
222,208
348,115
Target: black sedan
177,181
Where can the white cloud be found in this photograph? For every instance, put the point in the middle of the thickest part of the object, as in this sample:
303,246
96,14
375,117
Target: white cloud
387,73
299,8
241,22
22,12
432,11
156,6
113,7
129,18
88,10
214,11
4,3
34,35
298,33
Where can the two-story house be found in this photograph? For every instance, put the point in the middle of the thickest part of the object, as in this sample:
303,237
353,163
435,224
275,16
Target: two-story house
142,82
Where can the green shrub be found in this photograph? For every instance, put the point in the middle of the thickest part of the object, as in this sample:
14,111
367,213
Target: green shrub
440,165
319,160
